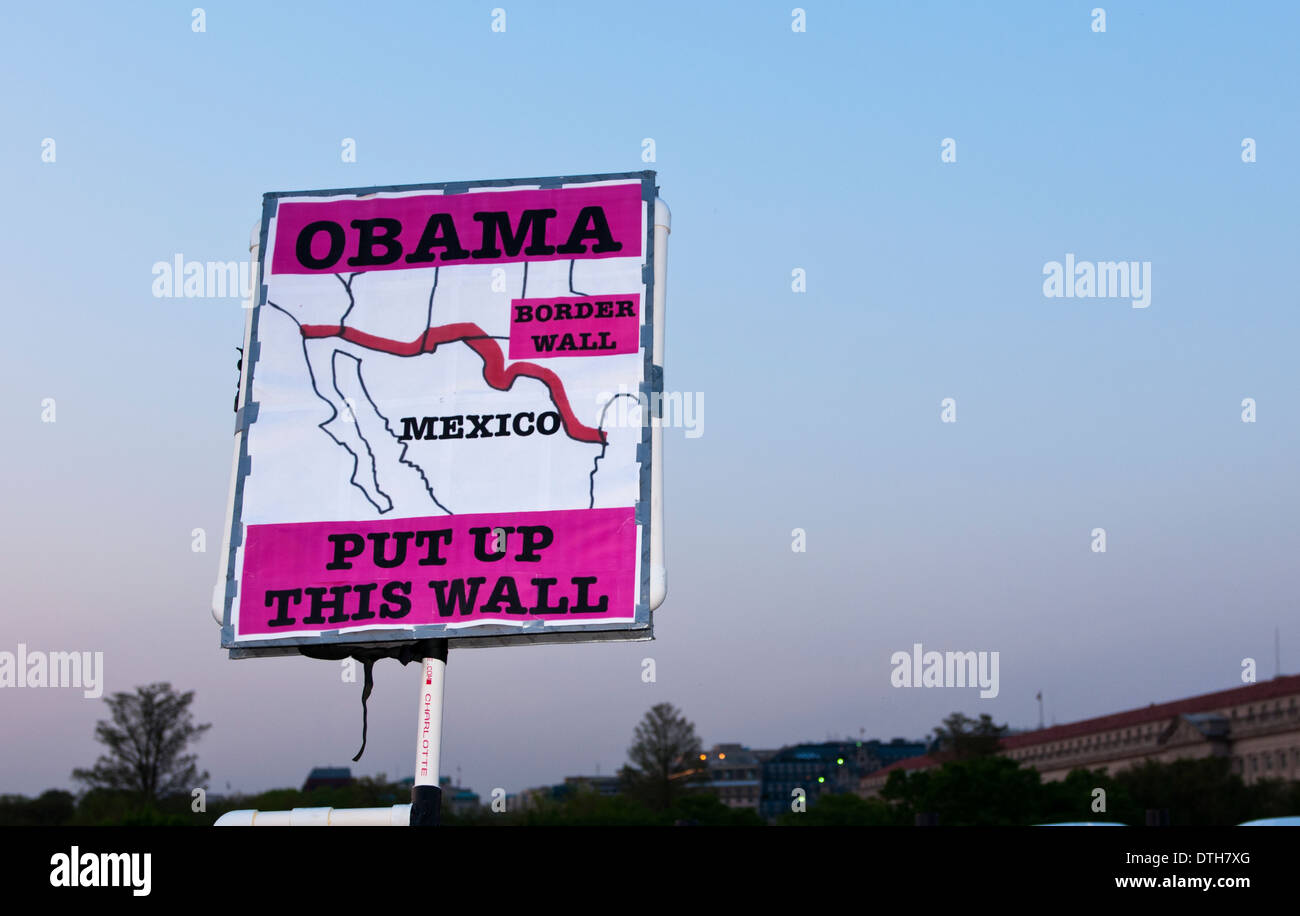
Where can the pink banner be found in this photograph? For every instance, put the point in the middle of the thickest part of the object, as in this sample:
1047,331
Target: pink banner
575,564
481,227
575,326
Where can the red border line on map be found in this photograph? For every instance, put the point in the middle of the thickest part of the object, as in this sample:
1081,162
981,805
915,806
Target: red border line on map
495,371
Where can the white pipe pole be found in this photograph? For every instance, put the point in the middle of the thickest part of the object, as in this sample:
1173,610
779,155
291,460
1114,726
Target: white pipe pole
428,745
426,795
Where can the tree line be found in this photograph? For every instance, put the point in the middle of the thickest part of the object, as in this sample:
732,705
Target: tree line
149,775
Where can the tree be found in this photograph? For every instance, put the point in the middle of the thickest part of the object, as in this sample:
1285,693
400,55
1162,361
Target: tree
963,738
847,811
704,809
1203,792
1075,798
664,755
980,791
146,740
54,808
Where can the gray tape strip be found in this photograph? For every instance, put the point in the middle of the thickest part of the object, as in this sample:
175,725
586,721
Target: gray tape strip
650,380
245,462
245,415
651,395
646,176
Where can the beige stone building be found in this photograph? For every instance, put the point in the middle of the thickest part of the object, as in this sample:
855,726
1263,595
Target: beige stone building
1256,726
735,774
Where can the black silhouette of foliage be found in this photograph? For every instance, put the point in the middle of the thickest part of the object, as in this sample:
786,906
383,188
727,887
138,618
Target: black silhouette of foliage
664,755
147,739
963,738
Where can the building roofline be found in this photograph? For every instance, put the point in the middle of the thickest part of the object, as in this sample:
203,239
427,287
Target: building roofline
1206,702
924,762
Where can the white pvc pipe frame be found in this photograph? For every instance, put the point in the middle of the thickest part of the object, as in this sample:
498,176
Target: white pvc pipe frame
428,757
396,816
433,674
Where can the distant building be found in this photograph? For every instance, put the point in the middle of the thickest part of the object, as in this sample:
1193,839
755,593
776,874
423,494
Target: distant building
328,777
457,799
460,800
833,767
1256,726
534,797
601,785
897,749
734,775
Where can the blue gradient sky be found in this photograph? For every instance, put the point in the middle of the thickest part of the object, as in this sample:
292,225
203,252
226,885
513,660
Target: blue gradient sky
775,150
